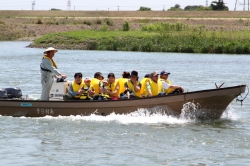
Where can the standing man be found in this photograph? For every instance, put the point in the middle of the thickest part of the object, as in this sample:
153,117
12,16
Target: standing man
48,72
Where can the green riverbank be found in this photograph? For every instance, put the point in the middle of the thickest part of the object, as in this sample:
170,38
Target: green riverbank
156,37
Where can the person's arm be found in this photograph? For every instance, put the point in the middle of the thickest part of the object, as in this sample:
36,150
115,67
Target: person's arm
137,88
49,66
176,87
148,87
115,91
91,90
126,90
165,85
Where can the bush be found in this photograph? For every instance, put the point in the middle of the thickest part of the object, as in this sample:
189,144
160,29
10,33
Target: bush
39,21
108,22
218,49
87,22
246,49
104,28
230,47
135,48
98,21
142,8
207,49
239,49
187,49
91,45
126,26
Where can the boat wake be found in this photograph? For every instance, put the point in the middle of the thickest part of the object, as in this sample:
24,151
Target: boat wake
142,116
156,115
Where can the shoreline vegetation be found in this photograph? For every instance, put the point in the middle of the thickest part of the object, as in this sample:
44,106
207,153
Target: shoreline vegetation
153,31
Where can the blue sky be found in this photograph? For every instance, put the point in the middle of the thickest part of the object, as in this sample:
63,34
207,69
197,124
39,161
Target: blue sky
110,4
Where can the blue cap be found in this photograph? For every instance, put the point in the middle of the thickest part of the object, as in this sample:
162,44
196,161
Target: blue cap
164,72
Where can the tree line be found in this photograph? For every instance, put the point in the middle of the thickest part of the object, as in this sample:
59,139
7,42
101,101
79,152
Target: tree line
215,5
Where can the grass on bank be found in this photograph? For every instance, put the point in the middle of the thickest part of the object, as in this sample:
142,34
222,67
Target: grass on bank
158,37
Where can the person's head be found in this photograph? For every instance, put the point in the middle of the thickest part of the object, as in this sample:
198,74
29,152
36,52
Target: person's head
125,74
134,75
147,76
105,81
98,75
111,77
154,76
50,52
87,80
78,77
164,74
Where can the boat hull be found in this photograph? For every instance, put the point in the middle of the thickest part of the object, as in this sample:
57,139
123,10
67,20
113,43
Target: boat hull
205,104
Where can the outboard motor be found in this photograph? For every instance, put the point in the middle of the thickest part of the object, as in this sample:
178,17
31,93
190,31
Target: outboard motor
3,94
13,92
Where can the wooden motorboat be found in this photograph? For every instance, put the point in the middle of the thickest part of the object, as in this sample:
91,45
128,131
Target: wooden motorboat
210,105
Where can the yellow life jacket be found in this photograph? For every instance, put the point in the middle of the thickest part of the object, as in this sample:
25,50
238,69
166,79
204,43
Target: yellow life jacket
156,88
96,85
121,82
76,87
112,87
143,86
169,90
51,60
131,87
86,91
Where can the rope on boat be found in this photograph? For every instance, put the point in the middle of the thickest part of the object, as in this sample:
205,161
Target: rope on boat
241,100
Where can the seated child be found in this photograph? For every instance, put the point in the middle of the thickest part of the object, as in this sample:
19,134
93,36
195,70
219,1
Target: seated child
88,90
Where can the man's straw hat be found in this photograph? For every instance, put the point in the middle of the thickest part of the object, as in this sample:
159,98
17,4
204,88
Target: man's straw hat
50,49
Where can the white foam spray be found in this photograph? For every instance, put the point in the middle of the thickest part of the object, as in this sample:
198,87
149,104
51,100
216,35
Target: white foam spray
149,116
141,116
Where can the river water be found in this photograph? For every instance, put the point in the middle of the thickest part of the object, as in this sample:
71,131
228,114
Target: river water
133,139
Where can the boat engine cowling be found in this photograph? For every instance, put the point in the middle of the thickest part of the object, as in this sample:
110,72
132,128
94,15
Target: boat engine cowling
13,92
3,94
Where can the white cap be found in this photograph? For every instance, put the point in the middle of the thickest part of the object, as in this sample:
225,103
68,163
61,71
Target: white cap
87,79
